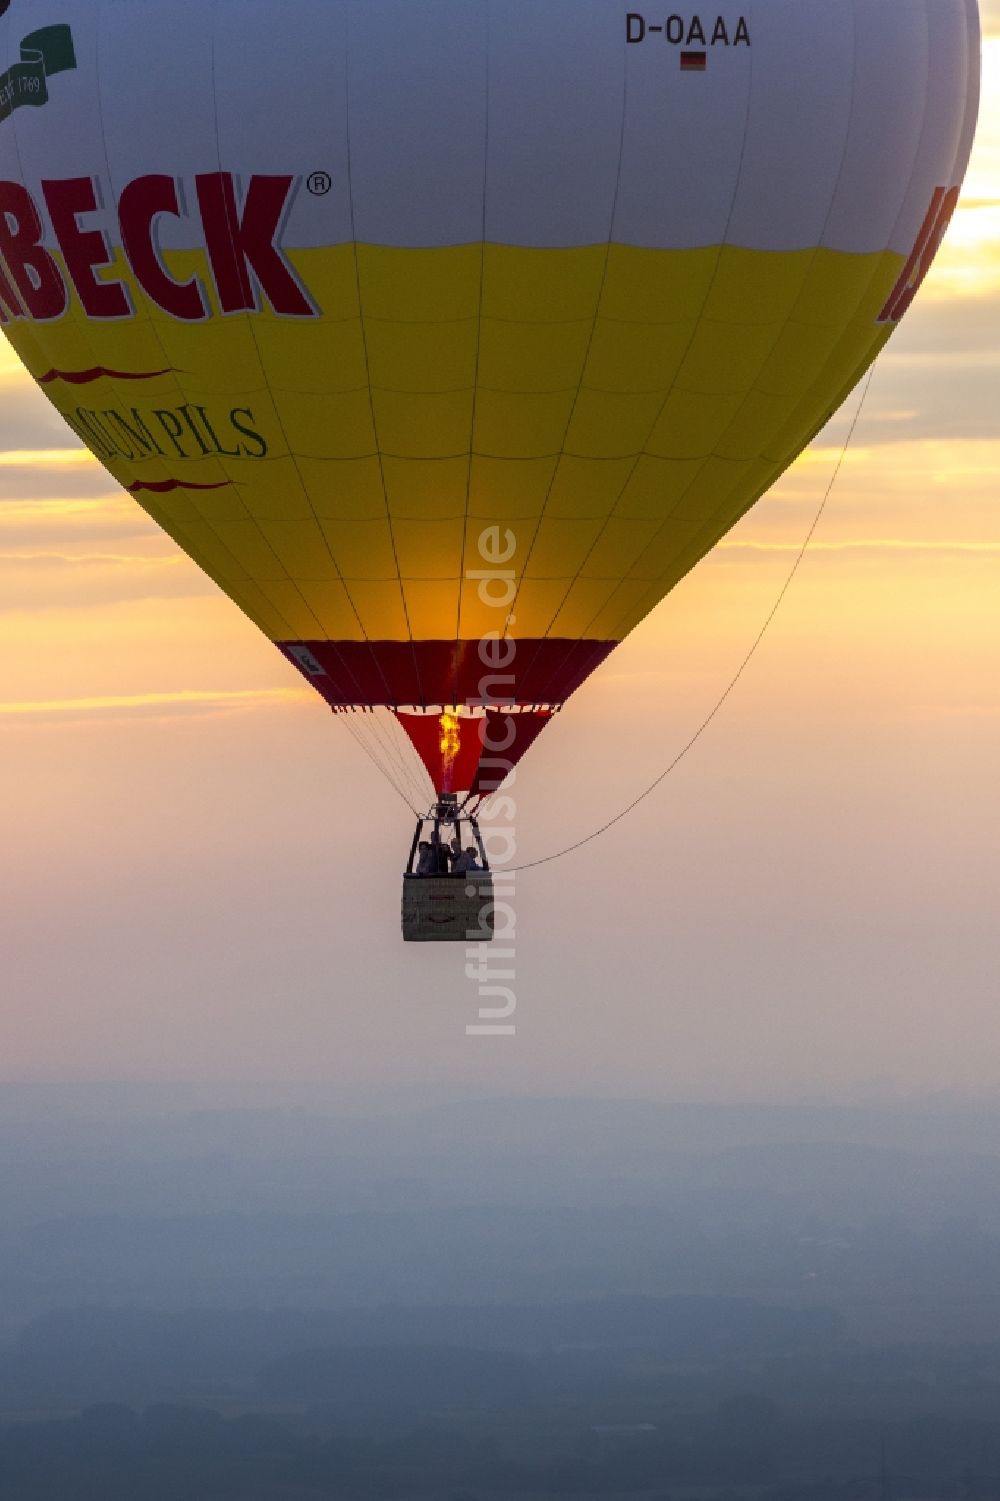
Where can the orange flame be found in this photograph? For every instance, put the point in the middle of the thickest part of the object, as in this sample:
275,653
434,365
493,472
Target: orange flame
449,743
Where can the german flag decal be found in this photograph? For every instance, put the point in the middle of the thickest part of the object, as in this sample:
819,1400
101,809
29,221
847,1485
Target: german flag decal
693,62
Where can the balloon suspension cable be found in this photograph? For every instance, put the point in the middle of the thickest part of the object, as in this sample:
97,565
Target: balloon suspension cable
398,747
414,777
386,755
744,664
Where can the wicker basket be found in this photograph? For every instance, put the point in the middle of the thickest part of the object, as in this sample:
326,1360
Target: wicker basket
448,909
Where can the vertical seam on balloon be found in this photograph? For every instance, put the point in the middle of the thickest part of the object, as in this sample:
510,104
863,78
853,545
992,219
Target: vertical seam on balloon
673,384
974,39
840,396
921,133
374,656
859,369
349,674
479,336
586,357
253,335
364,344
295,635
195,501
7,29
167,361
966,130
83,333
12,118
973,51
813,255
707,526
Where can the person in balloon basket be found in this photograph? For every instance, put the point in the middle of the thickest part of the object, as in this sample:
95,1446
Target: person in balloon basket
442,855
464,860
427,860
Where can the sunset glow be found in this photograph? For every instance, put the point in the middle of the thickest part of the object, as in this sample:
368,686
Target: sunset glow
150,736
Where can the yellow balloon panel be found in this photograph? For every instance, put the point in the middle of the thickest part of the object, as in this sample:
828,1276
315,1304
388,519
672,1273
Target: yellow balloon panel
360,466
340,290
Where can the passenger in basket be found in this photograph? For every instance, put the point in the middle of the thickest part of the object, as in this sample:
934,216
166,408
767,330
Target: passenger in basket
427,864
441,855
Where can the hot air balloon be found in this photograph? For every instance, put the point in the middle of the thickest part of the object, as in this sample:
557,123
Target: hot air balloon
446,336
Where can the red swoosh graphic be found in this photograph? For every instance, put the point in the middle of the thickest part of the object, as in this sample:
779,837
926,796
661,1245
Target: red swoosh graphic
84,377
161,486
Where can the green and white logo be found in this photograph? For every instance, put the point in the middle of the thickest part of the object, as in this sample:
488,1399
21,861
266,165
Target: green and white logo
43,53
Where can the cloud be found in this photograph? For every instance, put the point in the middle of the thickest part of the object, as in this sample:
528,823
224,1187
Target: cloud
183,702
46,458
912,401
937,378
50,581
965,328
30,419
90,559
40,454
944,547
51,523
40,473
895,506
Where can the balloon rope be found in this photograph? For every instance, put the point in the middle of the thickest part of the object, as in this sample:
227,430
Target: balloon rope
703,726
361,731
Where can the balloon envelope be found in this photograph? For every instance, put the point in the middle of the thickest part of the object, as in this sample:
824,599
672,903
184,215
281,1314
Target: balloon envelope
448,335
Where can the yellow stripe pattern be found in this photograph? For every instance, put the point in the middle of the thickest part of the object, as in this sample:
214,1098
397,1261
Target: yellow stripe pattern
616,408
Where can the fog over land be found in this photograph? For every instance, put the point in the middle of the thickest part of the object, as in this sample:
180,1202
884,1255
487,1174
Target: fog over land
500,1297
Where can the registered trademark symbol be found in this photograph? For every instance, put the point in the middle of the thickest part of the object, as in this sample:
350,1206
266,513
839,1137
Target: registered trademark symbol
319,183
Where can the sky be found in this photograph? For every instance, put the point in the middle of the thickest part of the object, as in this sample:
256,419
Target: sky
200,874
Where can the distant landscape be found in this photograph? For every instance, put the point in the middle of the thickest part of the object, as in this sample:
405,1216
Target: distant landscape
496,1298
